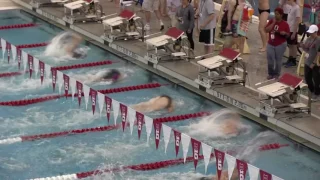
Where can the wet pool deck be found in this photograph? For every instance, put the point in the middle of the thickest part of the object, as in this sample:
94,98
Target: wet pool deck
302,127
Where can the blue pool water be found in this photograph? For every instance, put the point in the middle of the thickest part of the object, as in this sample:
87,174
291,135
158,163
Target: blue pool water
86,152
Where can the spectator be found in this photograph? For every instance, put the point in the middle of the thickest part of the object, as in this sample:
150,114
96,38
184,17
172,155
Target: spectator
279,31
185,15
311,68
172,6
234,14
286,9
264,11
151,6
294,18
195,8
206,24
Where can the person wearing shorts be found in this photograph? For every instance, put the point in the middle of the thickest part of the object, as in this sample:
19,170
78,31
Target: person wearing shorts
207,24
294,18
149,6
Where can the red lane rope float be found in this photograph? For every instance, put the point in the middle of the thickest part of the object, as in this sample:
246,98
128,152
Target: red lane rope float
25,102
34,45
272,146
109,128
139,167
15,26
63,68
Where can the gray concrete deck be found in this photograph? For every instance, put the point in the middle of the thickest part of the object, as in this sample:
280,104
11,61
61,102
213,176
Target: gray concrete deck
301,127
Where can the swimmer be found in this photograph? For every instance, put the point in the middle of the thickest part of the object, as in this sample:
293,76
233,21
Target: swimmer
71,41
155,104
112,75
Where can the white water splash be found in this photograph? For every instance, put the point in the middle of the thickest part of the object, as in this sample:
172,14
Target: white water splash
57,49
22,85
219,125
34,119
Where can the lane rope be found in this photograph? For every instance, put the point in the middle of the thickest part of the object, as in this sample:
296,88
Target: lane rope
33,45
142,167
63,68
15,26
25,102
97,129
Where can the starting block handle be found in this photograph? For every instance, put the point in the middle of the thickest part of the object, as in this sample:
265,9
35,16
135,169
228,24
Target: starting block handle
264,82
201,56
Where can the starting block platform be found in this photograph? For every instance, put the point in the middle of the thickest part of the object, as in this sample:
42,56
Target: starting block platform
222,69
48,3
83,11
172,45
125,26
281,96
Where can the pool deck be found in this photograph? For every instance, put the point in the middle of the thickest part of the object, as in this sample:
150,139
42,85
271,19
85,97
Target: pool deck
303,128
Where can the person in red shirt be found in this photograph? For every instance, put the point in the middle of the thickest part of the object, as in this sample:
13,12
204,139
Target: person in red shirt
279,31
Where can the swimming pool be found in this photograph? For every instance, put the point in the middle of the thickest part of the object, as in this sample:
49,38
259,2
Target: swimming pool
90,151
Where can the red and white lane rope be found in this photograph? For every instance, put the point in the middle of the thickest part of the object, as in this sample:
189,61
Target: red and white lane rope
15,26
96,129
26,102
33,45
64,68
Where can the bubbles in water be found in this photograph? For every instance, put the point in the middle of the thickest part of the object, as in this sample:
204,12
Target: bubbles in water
12,164
250,151
221,124
24,84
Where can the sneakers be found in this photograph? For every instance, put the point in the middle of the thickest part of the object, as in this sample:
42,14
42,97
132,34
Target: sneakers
269,77
147,27
291,62
161,26
315,97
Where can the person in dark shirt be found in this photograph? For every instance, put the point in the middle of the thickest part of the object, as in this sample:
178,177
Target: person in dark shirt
185,15
279,31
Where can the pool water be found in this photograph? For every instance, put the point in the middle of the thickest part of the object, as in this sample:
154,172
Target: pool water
86,152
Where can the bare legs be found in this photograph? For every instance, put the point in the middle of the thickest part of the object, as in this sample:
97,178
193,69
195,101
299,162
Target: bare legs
262,24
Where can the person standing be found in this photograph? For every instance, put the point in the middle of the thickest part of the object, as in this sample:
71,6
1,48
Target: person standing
279,31
286,9
172,6
207,24
311,68
264,11
185,15
294,18
151,6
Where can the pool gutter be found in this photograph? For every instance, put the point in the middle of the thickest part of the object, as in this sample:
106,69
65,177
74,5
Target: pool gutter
223,99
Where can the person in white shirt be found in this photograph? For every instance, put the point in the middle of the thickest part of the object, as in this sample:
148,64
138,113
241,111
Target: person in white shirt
172,6
151,6
286,9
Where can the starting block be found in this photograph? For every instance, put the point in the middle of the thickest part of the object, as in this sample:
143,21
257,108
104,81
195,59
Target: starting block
222,69
83,11
173,45
48,3
282,95
125,26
